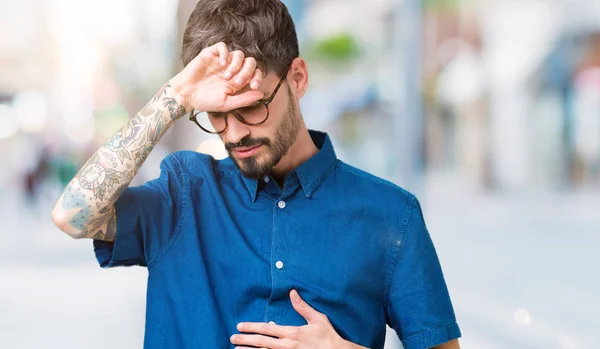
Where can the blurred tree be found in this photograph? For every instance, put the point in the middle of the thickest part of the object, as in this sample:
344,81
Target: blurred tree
443,4
339,47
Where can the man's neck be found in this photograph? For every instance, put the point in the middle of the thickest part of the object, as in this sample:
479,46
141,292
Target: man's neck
303,149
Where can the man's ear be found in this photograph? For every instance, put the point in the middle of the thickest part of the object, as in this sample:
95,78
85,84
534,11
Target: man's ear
298,77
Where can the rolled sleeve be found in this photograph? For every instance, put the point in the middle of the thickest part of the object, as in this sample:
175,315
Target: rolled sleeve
418,307
147,219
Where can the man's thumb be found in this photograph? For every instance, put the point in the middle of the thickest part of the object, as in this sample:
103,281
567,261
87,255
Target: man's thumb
307,312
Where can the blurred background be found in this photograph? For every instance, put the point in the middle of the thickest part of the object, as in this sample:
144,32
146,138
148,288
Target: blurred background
487,110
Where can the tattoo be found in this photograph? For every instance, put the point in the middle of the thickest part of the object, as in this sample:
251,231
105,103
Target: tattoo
112,178
97,221
161,93
95,177
141,155
92,176
126,138
75,199
156,131
111,228
99,235
107,219
175,110
103,179
110,159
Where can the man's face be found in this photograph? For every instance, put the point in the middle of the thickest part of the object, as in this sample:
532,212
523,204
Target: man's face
257,149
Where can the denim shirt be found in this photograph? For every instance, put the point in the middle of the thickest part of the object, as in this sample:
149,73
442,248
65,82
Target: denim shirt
221,249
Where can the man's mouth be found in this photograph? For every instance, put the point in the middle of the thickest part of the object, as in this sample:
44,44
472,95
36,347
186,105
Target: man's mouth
245,152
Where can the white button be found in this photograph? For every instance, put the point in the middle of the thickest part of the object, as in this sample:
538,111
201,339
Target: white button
266,179
279,264
272,322
281,204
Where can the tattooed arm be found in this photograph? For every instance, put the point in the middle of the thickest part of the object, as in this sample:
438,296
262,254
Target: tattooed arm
210,82
86,209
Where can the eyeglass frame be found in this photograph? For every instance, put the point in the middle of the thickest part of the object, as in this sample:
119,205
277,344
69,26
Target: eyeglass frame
238,116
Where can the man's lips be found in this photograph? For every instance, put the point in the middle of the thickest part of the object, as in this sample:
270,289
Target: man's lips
247,152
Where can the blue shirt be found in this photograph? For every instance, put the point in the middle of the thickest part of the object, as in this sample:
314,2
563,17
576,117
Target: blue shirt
222,249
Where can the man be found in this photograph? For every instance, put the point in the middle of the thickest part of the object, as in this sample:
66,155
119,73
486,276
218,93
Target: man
231,246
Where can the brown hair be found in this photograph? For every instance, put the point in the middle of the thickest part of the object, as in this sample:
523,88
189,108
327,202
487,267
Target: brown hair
262,29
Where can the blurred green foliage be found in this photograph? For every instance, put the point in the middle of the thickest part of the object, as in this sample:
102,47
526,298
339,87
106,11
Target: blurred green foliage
339,47
443,4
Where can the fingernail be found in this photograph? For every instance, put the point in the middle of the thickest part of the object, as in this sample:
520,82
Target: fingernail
223,62
295,295
239,81
239,326
254,84
228,75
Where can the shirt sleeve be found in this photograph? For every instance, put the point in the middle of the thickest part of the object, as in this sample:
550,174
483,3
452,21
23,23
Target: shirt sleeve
418,307
147,219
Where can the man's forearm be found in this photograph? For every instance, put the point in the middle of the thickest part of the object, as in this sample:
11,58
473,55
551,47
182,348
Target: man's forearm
86,208
453,344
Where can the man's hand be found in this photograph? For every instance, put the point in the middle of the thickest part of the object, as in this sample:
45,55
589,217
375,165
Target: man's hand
319,333
213,79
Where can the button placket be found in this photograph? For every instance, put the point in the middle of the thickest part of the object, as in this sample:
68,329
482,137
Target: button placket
279,297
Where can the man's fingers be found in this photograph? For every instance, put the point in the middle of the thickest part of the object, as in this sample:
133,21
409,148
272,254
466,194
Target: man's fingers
272,330
237,59
220,50
307,312
254,340
256,79
246,73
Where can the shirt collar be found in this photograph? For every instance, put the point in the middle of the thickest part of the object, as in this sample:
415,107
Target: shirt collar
311,173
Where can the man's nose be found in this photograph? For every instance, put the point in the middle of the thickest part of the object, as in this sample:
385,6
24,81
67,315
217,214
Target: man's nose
236,130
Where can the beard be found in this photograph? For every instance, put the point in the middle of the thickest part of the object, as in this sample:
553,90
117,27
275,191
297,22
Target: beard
285,136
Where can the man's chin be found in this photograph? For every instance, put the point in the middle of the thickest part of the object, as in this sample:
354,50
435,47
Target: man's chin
251,167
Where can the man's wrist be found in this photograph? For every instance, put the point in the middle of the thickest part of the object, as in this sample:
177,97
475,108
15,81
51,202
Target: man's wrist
179,92
350,345
171,104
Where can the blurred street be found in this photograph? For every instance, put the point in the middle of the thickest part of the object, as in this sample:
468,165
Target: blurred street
522,272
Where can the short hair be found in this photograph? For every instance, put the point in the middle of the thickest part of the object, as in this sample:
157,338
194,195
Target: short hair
263,29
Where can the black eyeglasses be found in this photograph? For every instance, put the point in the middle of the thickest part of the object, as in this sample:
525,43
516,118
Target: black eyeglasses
254,115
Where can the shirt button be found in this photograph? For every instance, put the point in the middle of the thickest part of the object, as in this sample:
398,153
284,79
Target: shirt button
266,179
279,264
281,204
272,322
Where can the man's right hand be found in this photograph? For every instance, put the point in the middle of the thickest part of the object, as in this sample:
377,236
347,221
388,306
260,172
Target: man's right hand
212,81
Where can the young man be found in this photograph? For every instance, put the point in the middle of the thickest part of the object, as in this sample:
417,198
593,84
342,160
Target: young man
231,245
